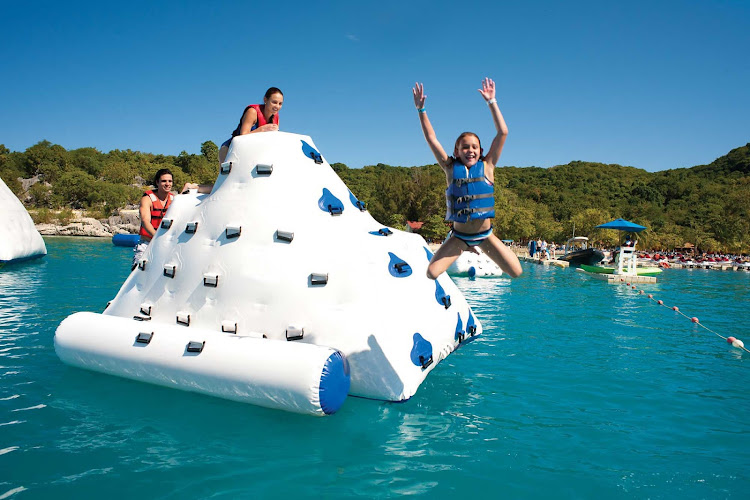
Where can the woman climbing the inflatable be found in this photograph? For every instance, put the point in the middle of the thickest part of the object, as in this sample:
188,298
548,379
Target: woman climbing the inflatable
470,193
256,118
154,204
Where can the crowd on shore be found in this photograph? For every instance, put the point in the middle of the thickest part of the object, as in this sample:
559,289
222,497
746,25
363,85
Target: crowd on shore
693,260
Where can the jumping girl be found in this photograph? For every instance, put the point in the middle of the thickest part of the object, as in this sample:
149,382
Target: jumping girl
470,193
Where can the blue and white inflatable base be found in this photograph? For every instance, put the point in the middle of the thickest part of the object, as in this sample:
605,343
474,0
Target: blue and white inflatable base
19,239
297,377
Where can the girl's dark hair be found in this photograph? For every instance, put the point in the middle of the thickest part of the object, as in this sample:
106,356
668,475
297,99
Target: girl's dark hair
455,146
271,91
159,173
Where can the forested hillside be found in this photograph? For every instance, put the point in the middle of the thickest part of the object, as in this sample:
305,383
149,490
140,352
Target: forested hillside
708,205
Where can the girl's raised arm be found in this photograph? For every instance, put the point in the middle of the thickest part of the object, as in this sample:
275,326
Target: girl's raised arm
496,148
429,133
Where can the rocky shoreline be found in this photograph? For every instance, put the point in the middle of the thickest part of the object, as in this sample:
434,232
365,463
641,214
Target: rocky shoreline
126,222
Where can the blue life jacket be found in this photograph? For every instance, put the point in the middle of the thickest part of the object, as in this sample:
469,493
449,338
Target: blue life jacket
470,196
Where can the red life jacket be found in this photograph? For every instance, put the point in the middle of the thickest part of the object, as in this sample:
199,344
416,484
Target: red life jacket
261,119
157,212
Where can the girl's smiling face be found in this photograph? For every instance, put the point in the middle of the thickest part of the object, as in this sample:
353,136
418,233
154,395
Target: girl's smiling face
468,149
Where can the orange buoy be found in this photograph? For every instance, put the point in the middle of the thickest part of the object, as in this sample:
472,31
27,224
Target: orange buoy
675,308
640,291
694,320
650,296
633,287
660,302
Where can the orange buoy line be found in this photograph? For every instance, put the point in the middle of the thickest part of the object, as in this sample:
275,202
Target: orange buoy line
730,340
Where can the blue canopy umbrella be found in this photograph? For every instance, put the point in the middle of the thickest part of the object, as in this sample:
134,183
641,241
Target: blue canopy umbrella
622,225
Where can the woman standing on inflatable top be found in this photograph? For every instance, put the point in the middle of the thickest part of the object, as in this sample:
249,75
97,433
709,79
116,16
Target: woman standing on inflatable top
257,118
470,193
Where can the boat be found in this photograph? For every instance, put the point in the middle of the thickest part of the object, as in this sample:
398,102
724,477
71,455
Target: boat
577,252
19,239
640,270
277,289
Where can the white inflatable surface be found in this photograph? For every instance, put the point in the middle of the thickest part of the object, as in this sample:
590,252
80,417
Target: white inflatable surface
279,250
475,265
19,239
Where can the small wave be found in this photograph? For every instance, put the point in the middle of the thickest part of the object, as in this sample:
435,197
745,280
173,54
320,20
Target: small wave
13,422
8,450
12,492
37,407
14,396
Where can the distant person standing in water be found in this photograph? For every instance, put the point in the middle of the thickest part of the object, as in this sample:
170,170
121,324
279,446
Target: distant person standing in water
470,195
256,118
154,204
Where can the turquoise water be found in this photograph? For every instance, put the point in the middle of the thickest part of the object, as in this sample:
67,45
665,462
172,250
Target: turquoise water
577,389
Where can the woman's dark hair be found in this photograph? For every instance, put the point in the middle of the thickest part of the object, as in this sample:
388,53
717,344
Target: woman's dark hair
159,173
271,91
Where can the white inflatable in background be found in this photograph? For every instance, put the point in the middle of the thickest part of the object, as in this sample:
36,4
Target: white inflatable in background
279,255
19,239
475,265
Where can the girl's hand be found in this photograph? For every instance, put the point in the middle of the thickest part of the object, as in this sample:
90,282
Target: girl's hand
419,96
268,127
488,89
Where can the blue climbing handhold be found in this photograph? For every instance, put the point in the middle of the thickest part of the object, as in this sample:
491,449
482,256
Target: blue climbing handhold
382,232
442,298
361,205
471,325
459,337
421,352
311,152
398,267
329,203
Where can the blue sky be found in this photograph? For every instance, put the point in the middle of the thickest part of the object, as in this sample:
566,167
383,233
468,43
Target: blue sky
650,84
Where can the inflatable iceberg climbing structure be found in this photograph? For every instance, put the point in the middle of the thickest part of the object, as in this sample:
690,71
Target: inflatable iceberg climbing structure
278,289
475,265
19,239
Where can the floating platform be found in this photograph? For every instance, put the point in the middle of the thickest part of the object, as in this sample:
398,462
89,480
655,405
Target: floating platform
619,278
544,262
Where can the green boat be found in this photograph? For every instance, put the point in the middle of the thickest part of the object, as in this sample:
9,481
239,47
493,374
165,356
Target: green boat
640,271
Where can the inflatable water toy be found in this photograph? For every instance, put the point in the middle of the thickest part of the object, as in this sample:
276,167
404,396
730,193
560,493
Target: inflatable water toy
471,265
19,239
125,240
278,289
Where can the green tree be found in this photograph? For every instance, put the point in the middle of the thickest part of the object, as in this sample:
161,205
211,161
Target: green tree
210,152
435,228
